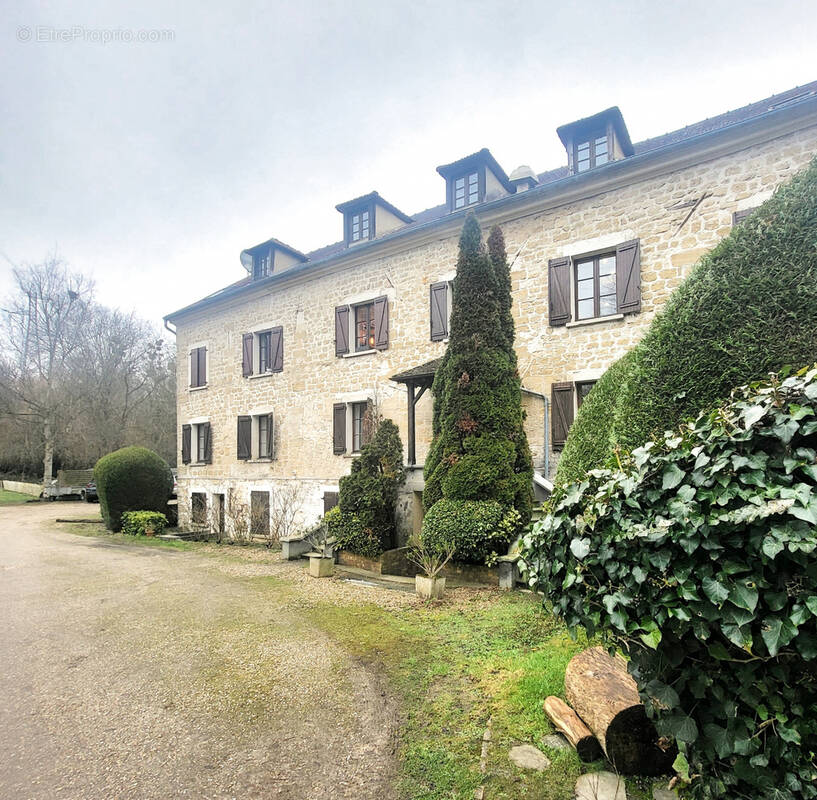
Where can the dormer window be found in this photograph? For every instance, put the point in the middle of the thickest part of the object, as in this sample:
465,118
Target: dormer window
262,263
360,226
593,152
369,216
466,190
272,256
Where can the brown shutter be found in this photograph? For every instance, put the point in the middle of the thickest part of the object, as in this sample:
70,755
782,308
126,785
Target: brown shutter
186,438
628,277
270,437
381,323
339,427
341,330
330,500
559,290
246,354
244,438
439,311
194,367
277,349
202,366
739,216
208,445
561,406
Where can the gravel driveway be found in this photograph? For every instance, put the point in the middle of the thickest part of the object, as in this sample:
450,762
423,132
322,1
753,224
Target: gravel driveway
137,672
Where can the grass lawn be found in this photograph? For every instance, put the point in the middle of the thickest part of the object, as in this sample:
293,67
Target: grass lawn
6,497
455,664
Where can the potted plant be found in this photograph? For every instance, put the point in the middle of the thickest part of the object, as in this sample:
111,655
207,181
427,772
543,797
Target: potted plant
430,585
322,557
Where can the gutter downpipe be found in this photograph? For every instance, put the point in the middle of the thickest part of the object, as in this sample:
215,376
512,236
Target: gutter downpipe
547,431
168,328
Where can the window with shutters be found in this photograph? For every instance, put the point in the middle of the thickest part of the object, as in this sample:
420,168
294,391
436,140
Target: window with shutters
244,438
565,399
198,508
591,151
197,445
587,288
362,327
255,437
582,390
198,367
352,426
262,352
440,316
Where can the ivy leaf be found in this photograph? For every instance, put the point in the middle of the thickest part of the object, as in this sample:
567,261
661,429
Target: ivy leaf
684,728
811,604
672,476
681,766
744,596
753,414
777,633
771,547
580,548
662,696
652,635
715,590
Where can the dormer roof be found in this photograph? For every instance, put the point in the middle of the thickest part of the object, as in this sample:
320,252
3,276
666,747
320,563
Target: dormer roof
482,158
275,244
368,199
571,131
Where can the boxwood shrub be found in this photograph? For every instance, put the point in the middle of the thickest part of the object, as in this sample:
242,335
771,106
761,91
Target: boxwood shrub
131,479
749,307
137,523
698,560
351,534
480,529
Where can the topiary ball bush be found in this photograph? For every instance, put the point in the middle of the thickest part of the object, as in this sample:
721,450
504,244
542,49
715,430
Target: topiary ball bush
131,479
479,529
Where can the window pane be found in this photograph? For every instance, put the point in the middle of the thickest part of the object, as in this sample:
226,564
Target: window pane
583,166
582,390
601,142
460,184
473,178
607,305
607,265
601,158
263,432
584,150
584,270
459,202
585,289
585,309
607,284
364,326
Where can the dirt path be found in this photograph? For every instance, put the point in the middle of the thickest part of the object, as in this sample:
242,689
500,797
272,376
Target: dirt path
136,672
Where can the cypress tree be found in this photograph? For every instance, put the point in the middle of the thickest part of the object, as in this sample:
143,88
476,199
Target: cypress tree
479,444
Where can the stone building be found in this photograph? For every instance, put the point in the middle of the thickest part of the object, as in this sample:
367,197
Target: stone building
280,371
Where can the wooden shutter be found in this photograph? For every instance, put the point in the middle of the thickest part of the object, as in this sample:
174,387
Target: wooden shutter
270,437
277,349
246,354
330,500
194,367
439,311
341,330
561,407
559,270
202,366
186,439
739,216
381,323
339,427
628,277
244,438
208,445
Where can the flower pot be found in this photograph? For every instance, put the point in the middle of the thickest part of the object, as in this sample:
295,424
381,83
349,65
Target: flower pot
321,566
429,588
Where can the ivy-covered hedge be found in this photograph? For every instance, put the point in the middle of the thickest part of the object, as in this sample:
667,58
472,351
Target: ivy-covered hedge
131,479
748,308
350,533
480,529
137,523
698,561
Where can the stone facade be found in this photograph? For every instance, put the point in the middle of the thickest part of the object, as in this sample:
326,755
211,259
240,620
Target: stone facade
645,203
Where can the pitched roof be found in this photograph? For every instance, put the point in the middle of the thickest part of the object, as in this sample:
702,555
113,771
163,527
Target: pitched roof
426,370
372,197
322,255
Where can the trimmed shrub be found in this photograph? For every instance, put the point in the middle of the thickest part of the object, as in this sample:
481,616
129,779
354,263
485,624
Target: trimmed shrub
699,561
481,530
131,479
137,523
368,495
351,535
748,308
479,449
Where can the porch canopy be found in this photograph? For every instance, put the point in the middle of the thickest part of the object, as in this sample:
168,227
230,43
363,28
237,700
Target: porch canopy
417,380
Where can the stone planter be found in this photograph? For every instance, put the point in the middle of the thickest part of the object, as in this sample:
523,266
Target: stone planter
321,566
429,588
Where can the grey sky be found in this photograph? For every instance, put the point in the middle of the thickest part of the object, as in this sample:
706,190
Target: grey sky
151,165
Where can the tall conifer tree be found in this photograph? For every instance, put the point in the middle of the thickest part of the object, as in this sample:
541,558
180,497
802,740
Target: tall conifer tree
479,450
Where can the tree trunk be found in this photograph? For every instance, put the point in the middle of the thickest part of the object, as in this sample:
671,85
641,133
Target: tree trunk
605,696
48,456
565,720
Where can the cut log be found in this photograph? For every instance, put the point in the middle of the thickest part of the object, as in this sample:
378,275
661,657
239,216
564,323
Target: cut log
605,696
566,721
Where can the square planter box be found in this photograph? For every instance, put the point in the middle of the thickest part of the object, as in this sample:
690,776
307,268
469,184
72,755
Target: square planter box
321,566
429,588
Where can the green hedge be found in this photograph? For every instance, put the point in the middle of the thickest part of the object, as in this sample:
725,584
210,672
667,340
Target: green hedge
480,529
748,308
699,561
351,534
131,479
137,523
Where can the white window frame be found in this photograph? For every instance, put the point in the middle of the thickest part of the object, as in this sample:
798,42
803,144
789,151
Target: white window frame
195,425
255,434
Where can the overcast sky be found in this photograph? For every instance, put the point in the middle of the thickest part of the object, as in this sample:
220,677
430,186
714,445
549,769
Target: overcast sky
150,165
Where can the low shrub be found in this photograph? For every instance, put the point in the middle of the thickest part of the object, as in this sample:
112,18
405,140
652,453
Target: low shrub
351,534
137,523
480,530
697,559
131,479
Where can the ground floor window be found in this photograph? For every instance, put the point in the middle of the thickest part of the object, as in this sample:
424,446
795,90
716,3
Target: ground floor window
198,508
259,513
218,512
